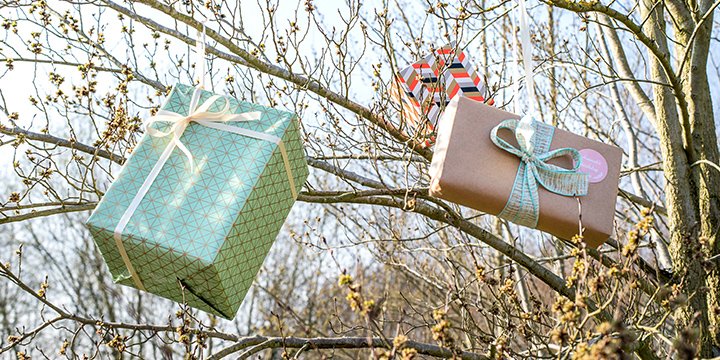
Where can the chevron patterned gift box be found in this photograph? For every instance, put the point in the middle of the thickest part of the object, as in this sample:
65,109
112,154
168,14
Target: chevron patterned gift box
425,87
192,216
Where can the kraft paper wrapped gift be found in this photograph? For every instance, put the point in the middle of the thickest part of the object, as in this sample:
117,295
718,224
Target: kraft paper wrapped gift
469,169
426,86
203,228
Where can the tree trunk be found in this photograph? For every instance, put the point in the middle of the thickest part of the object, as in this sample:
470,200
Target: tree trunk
705,178
691,188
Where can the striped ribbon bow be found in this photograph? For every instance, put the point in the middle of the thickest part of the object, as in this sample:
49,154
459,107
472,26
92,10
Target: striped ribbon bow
534,138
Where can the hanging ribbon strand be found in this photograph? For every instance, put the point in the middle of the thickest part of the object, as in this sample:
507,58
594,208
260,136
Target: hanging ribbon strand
520,19
200,51
526,44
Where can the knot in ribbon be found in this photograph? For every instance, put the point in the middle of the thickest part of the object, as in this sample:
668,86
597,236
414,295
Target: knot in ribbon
528,157
199,113
534,138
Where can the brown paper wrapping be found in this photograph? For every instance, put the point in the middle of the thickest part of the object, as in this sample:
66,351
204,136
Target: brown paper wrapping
468,169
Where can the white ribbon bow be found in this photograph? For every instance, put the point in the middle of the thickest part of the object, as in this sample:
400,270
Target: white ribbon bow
201,115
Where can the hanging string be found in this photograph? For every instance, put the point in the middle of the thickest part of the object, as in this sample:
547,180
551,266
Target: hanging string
200,51
524,105
515,87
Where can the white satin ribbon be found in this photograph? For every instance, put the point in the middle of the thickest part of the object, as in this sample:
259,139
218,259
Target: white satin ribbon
200,50
203,116
521,17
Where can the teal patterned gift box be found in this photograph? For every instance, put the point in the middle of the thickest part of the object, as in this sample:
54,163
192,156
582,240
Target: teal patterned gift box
199,231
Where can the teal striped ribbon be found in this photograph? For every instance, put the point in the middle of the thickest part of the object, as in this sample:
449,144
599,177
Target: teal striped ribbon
534,138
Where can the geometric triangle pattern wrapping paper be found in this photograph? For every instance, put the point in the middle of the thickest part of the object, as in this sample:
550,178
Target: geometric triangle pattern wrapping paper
201,237
426,86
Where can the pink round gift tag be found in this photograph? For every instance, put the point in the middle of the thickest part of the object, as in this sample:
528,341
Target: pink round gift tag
593,164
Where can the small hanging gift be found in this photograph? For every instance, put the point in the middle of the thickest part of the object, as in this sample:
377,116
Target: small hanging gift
197,206
525,171
425,87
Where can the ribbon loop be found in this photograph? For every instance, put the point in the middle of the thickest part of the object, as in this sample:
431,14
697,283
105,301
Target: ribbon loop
534,138
196,112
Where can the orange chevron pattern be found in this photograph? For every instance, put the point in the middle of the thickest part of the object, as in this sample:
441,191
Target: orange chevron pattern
429,84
